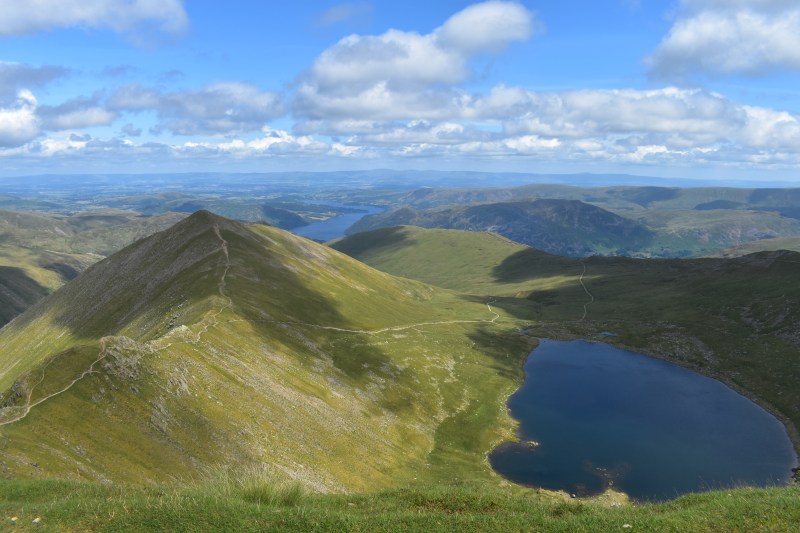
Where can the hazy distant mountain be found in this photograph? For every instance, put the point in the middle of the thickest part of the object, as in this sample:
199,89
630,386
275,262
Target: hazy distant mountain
565,227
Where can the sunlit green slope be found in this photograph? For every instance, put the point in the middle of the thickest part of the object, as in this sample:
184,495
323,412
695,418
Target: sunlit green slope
217,345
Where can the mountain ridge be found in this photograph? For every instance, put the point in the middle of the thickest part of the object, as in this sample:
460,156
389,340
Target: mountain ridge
218,345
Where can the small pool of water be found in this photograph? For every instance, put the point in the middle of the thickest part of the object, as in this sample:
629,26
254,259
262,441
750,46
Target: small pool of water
603,416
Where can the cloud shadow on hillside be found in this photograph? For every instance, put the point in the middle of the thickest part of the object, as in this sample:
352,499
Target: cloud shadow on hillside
530,264
17,291
371,241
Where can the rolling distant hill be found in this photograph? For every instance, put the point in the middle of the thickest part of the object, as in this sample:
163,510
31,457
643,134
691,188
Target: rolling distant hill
565,227
213,345
102,231
684,222
765,245
783,201
576,228
236,208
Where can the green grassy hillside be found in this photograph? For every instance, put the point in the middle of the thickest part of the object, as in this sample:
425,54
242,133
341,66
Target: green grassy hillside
736,319
457,260
217,377
216,345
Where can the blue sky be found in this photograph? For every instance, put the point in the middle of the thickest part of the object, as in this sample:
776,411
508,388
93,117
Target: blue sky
684,88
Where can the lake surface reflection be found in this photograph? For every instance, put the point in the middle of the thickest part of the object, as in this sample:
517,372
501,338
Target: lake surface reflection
604,416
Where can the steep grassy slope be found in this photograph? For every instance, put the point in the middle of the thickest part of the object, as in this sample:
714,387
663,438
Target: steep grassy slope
213,345
26,276
737,319
566,227
457,260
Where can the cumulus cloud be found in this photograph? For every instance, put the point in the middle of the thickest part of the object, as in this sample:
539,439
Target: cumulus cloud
722,37
74,114
396,73
273,142
669,126
17,76
18,122
270,143
33,16
691,113
401,95
485,27
217,108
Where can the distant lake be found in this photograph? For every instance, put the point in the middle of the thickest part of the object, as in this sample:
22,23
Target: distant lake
652,429
335,227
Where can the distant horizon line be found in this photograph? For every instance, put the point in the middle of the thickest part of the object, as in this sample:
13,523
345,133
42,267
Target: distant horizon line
735,182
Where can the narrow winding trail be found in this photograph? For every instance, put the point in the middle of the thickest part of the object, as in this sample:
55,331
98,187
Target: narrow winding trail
387,329
30,405
104,342
589,294
222,285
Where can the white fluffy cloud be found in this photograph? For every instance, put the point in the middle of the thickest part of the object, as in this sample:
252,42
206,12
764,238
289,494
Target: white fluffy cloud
403,95
32,16
217,108
18,76
273,142
485,27
75,114
720,37
692,113
18,122
669,126
397,73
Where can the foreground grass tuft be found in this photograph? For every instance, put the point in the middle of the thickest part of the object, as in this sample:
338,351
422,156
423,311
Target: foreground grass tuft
252,504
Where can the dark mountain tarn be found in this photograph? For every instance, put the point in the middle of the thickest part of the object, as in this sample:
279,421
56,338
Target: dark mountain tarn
594,417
